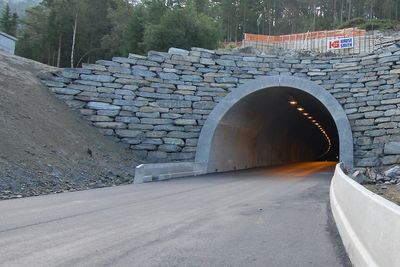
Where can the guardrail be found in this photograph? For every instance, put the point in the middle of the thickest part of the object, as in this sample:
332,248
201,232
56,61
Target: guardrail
163,171
368,224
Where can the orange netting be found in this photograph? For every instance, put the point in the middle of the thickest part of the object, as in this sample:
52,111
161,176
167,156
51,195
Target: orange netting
350,32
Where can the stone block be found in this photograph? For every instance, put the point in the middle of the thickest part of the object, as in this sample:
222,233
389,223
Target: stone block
108,112
110,125
373,114
153,141
178,51
97,118
124,119
117,69
183,135
155,121
103,106
148,114
129,133
157,155
389,160
174,103
143,73
132,141
364,141
185,122
204,105
168,76
392,148
169,148
98,78
64,91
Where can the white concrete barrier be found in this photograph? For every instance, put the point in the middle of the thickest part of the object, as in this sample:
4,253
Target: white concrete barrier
162,171
368,224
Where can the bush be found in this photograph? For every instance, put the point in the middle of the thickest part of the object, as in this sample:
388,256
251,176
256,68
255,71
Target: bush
369,25
182,28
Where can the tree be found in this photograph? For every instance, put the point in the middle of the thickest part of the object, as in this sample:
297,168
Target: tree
9,21
69,32
182,28
65,32
127,29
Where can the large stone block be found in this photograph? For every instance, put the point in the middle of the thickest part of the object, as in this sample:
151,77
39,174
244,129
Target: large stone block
392,148
101,105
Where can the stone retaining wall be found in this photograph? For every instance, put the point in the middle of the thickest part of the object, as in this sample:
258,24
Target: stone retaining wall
157,104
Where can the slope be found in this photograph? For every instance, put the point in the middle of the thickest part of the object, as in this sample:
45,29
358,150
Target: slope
44,146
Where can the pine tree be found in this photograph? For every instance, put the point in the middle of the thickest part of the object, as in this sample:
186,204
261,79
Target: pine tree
9,21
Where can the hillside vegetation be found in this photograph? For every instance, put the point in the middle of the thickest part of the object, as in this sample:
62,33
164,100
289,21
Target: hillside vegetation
66,33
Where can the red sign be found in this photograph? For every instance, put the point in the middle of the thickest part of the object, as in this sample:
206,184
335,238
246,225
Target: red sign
341,43
335,44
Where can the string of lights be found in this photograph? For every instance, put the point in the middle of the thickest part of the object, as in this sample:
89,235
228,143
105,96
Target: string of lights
293,102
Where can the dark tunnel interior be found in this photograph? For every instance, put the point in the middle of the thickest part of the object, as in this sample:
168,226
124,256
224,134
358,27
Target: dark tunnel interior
265,129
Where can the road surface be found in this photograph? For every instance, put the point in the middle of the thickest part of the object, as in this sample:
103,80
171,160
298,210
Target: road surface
261,217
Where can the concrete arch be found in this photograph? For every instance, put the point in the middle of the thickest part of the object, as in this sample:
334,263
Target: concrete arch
205,143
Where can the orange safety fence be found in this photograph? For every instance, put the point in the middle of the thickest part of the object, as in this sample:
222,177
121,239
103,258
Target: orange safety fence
350,32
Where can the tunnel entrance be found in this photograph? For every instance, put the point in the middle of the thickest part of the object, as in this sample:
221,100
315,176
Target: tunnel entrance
275,120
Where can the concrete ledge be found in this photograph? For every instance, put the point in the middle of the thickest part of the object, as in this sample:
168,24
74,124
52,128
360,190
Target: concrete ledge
368,224
162,171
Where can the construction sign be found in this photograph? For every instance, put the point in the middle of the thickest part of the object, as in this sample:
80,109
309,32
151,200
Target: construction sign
341,43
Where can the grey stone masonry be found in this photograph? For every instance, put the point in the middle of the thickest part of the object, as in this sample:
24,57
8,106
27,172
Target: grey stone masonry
157,104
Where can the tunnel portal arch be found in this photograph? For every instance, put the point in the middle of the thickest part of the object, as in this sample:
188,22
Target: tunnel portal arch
206,148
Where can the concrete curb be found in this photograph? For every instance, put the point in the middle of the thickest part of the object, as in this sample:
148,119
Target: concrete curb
163,171
368,224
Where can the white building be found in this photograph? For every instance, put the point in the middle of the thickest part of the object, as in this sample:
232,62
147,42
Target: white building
7,43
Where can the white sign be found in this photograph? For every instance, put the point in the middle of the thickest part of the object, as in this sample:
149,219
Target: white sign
341,43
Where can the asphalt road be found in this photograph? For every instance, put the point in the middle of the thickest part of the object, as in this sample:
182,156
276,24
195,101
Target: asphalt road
262,217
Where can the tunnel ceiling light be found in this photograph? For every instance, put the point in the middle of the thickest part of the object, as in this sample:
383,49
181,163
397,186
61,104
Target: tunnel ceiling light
293,101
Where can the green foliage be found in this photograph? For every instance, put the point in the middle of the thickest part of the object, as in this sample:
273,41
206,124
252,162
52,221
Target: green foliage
107,28
9,21
151,25
127,29
182,28
47,31
374,24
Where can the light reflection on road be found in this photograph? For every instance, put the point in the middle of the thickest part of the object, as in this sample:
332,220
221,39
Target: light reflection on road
302,169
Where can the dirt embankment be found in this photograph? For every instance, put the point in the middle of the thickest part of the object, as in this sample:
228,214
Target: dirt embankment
389,191
44,146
